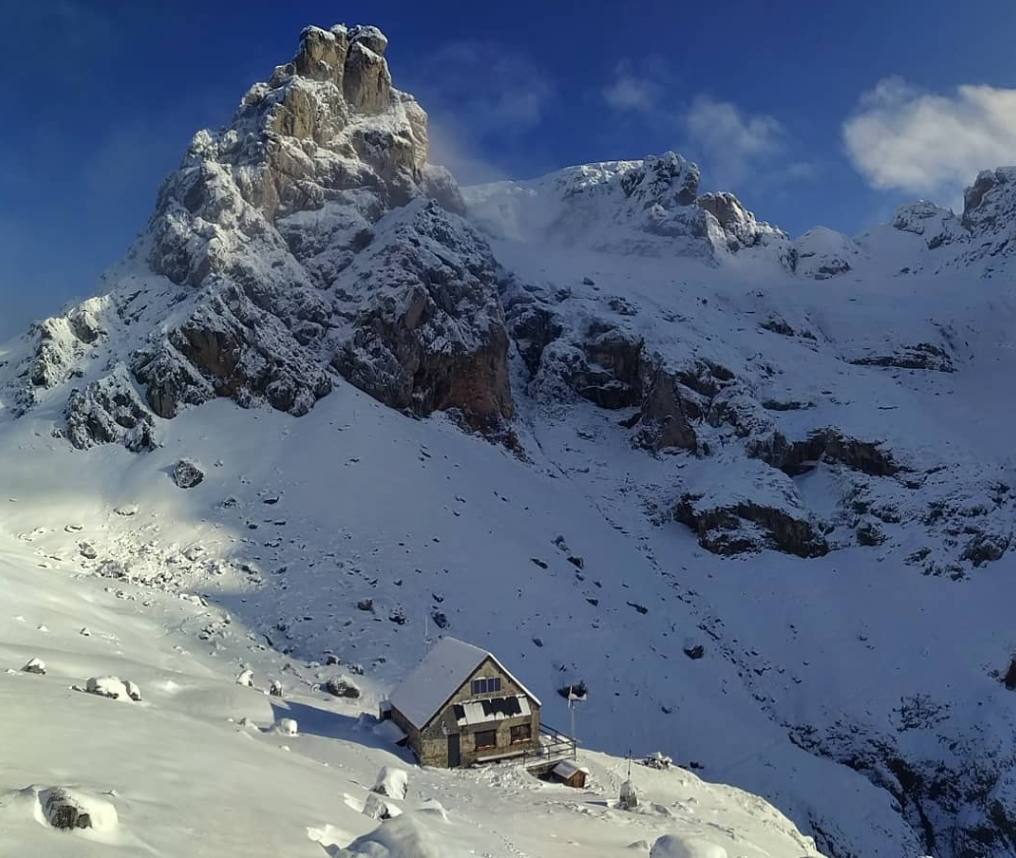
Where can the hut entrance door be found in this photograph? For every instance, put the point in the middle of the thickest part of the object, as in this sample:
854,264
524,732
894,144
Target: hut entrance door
454,754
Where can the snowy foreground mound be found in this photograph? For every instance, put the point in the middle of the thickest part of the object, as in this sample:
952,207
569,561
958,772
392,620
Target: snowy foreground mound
756,492
200,768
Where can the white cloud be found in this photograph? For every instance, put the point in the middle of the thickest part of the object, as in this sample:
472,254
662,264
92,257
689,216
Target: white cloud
907,139
631,91
730,143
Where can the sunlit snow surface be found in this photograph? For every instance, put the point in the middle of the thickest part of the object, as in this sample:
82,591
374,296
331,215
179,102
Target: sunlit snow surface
299,520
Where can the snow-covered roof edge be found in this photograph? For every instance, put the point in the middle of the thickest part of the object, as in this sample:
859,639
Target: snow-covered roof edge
443,671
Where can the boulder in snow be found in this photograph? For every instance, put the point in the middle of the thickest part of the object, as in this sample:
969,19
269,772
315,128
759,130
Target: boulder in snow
343,687
410,835
392,782
112,687
68,810
377,808
186,474
36,666
673,846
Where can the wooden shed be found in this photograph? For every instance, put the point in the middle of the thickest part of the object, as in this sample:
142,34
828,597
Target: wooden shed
461,706
570,774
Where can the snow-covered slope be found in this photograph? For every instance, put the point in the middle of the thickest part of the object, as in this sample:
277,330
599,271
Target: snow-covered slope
756,493
203,766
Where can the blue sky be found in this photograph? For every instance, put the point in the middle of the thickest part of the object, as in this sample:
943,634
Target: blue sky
825,112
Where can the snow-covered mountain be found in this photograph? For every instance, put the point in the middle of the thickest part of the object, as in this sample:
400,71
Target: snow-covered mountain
755,492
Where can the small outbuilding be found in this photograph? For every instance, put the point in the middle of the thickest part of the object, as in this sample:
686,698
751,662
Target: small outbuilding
570,774
462,706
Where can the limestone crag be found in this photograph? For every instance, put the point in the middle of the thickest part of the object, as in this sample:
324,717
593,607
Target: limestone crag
244,285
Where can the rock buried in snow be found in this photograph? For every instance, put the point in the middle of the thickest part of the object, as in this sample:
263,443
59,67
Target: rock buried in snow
377,808
574,691
392,782
113,687
672,846
127,510
68,810
36,666
288,727
186,474
343,687
411,835
246,679
658,760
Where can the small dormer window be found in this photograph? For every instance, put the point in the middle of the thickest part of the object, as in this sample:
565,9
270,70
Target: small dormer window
487,685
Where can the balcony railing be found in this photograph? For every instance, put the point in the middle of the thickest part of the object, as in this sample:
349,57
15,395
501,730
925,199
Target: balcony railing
553,746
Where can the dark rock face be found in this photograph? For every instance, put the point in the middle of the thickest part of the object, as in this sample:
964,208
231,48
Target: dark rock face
667,411
747,526
342,688
187,475
231,347
1009,680
955,807
62,811
925,356
870,534
695,651
110,411
830,445
986,548
410,298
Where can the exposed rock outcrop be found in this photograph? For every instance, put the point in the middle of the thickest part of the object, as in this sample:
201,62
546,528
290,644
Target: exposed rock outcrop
649,207
187,475
110,411
308,239
925,356
822,253
428,330
740,526
936,225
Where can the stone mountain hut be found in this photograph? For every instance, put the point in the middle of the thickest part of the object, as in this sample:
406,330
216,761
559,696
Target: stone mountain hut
462,706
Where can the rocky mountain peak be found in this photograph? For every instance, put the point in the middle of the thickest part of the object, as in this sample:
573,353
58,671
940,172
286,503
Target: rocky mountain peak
244,285
990,203
647,207
666,180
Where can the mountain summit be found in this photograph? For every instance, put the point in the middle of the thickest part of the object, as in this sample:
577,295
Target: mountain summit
308,238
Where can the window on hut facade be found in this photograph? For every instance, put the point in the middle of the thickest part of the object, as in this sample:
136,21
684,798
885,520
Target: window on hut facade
487,686
522,733
486,739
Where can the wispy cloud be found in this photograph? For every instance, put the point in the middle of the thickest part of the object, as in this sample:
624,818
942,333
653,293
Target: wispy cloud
632,90
731,142
904,138
495,89
481,97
